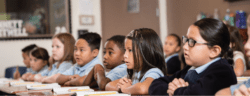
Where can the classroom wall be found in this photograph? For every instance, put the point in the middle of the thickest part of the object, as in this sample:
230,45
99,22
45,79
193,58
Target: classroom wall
182,13
2,7
96,27
117,21
10,51
11,55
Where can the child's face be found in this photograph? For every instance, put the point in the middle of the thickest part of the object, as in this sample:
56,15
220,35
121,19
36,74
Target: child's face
57,49
247,45
171,46
36,64
113,55
128,56
26,59
198,54
82,52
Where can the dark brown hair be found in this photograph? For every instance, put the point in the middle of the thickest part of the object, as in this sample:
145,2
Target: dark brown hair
147,52
68,42
236,41
40,53
215,32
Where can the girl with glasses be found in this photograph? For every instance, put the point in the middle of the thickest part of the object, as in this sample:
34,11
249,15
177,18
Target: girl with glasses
206,50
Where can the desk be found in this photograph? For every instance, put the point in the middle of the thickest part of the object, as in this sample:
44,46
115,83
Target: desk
8,90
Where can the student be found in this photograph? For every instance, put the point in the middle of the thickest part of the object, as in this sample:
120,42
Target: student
145,62
39,61
62,50
236,43
206,42
85,53
113,60
244,87
26,60
172,46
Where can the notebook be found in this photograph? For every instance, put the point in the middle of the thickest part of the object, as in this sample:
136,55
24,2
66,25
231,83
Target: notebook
24,83
6,81
71,90
97,93
43,86
241,79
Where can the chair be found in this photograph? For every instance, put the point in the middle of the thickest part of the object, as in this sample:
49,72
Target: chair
11,70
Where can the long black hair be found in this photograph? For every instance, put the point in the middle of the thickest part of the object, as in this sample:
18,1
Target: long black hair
147,52
236,41
215,32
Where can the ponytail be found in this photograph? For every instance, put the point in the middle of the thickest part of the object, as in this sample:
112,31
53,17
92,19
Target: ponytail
229,56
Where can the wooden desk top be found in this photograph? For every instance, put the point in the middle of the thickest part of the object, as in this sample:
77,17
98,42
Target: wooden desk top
22,90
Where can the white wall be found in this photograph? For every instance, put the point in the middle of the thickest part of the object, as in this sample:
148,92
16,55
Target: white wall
10,51
163,19
11,55
75,13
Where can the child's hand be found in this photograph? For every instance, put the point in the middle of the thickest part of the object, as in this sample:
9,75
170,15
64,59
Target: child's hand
175,84
67,83
243,91
124,83
74,76
16,75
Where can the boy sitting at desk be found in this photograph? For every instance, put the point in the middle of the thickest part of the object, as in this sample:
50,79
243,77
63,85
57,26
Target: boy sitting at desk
113,60
85,53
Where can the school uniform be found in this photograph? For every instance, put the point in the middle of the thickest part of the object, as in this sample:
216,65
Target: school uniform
173,63
42,70
117,72
84,70
237,86
29,70
205,80
153,73
54,70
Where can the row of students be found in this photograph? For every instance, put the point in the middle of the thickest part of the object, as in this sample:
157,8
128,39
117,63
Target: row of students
62,54
206,49
244,87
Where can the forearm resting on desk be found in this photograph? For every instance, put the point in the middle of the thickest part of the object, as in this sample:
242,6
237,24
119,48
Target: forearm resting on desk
50,79
112,86
25,76
102,81
61,79
39,77
31,77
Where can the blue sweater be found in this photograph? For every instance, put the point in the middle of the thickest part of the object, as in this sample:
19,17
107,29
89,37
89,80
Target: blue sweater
217,76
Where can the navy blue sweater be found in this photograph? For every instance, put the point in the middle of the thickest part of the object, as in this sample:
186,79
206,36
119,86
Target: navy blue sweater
217,76
173,65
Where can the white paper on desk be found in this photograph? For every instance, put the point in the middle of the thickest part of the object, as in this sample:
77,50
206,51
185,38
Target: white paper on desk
69,90
24,83
3,80
102,93
6,81
242,79
43,86
120,94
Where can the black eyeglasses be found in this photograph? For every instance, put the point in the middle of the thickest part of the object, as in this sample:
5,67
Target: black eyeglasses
191,42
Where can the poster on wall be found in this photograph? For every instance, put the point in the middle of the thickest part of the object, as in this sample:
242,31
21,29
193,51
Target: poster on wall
133,6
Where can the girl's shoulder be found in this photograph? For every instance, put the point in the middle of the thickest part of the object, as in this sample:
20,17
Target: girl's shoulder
238,53
154,71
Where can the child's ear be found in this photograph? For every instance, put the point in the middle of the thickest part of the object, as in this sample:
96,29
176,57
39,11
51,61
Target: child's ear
95,52
178,48
215,51
45,62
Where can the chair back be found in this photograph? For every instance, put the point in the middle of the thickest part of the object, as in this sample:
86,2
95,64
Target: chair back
11,70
